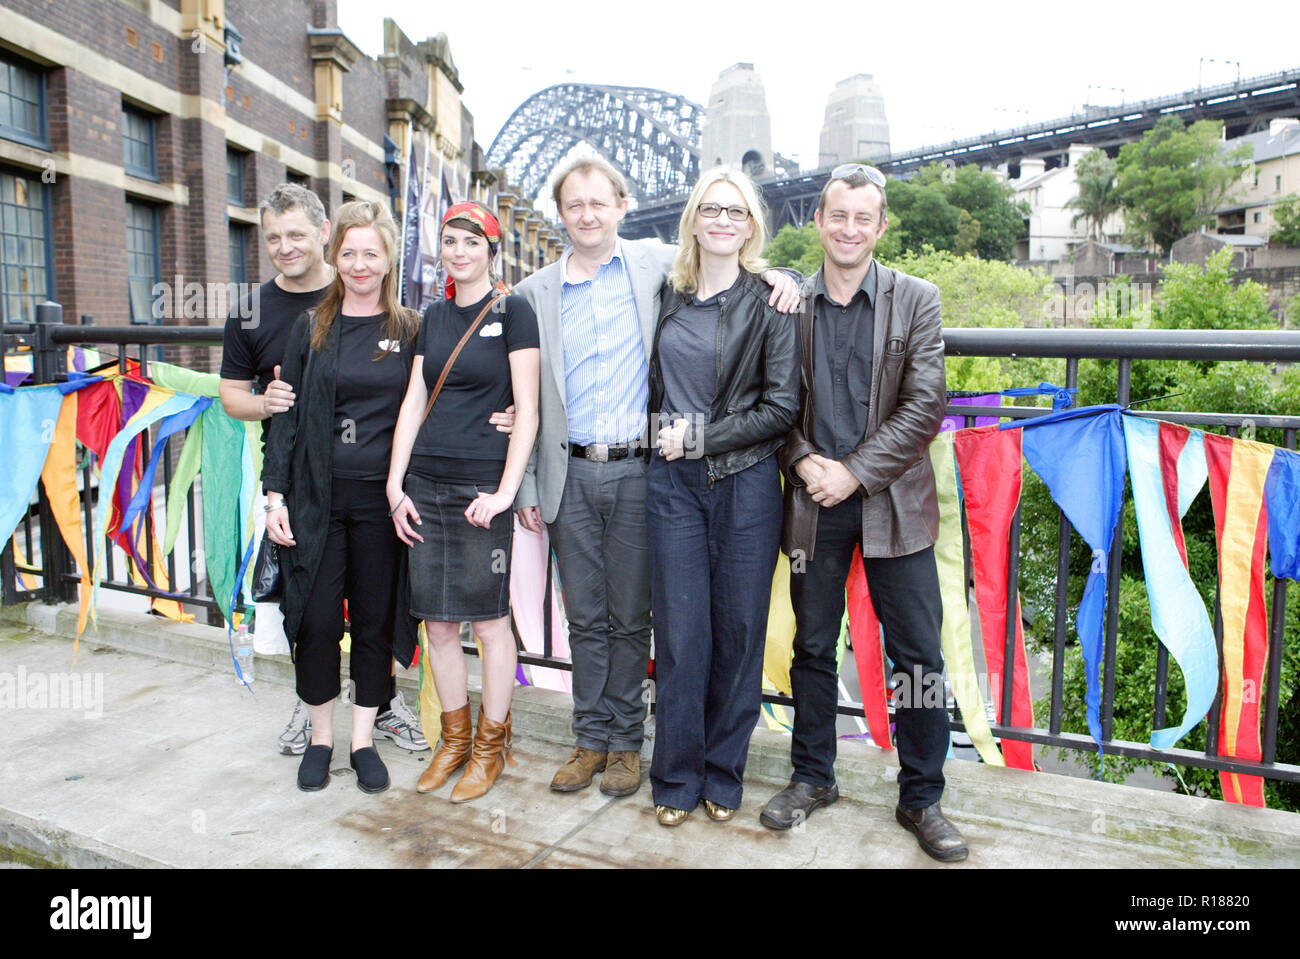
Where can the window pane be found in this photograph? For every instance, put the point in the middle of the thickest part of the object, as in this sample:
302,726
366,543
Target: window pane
20,99
141,259
25,277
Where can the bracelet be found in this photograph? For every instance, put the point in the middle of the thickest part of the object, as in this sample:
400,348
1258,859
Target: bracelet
399,503
269,508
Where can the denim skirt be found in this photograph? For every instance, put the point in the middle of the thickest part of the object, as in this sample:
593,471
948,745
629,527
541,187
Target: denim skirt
460,572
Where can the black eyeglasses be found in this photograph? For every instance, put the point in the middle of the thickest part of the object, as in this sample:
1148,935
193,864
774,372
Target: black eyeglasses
846,170
735,214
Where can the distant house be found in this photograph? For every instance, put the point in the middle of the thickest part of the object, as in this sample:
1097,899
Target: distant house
1276,174
1197,247
1091,258
1050,232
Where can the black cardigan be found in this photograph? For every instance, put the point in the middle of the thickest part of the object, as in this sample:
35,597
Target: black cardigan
299,464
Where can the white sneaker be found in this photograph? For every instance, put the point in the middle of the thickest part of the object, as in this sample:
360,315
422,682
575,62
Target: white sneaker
297,735
400,725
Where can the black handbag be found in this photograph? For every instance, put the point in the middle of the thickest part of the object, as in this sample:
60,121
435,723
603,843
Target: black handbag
268,584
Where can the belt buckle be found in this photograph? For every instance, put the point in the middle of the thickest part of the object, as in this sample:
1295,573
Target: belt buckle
597,452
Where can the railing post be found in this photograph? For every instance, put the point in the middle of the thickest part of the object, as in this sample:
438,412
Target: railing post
50,365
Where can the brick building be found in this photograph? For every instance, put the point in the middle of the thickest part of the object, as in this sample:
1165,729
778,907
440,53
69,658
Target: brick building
137,136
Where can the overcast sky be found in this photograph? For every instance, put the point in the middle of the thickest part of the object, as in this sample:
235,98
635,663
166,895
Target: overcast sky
946,69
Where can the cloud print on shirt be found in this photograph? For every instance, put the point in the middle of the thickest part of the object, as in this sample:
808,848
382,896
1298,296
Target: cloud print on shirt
492,329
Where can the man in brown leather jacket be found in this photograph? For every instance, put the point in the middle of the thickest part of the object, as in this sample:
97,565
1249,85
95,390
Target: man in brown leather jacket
858,477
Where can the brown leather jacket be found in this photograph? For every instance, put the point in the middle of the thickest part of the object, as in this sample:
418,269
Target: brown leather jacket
900,510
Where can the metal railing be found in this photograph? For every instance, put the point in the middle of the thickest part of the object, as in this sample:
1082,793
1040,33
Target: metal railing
48,338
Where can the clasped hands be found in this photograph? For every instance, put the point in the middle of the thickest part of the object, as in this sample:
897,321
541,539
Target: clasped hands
827,481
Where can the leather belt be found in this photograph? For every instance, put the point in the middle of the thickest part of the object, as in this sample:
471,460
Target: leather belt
606,453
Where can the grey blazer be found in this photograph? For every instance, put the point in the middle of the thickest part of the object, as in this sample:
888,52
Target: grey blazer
648,262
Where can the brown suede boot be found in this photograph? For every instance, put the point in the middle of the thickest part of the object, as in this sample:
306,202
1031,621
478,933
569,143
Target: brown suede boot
454,752
578,770
491,745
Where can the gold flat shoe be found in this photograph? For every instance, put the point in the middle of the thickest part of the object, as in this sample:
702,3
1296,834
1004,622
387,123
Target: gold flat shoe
716,812
668,816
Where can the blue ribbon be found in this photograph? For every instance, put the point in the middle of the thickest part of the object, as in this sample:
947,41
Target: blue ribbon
1062,396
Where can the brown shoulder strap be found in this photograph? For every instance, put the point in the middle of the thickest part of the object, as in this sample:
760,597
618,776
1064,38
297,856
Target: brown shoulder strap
446,368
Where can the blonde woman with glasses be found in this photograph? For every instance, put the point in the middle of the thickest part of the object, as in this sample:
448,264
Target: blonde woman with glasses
723,394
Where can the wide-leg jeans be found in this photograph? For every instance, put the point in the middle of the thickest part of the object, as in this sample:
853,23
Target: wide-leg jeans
713,549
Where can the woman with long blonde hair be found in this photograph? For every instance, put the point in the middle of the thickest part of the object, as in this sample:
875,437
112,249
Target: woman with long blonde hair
326,463
724,377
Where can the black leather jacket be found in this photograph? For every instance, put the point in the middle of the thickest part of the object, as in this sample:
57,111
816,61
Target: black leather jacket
757,398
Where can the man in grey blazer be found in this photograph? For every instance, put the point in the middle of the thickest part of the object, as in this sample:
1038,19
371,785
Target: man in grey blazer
596,312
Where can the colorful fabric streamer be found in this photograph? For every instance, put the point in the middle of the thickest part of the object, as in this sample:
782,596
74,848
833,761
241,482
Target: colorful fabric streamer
864,628
988,463
1238,470
1167,471
530,554
28,416
1079,454
1282,500
958,653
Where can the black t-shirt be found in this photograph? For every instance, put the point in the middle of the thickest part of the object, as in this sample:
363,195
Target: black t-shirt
367,398
257,333
456,442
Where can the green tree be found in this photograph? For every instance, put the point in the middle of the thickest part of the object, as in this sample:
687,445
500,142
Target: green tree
1286,214
798,248
989,200
1170,181
966,210
1098,195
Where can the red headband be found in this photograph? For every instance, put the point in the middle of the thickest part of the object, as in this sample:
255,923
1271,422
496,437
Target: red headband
486,222
477,215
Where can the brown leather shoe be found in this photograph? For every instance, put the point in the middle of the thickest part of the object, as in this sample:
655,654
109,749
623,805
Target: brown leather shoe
622,773
936,834
491,745
457,736
578,770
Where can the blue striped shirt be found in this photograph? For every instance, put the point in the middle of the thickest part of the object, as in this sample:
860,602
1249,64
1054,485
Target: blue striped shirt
606,378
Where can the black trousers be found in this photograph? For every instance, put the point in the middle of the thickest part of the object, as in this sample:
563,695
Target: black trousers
905,593
359,564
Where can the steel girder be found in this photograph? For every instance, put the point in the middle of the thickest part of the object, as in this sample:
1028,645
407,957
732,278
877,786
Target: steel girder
653,137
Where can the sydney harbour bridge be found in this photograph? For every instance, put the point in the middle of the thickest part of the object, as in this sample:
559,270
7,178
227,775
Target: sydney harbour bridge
655,137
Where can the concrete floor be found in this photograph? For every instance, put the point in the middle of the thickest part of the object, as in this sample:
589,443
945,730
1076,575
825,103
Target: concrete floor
173,764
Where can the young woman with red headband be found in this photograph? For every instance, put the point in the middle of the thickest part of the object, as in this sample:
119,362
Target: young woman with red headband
451,487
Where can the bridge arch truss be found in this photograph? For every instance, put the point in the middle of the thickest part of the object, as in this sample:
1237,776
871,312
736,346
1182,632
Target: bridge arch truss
653,137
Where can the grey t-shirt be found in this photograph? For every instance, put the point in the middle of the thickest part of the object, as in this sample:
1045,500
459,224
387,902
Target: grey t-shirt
688,356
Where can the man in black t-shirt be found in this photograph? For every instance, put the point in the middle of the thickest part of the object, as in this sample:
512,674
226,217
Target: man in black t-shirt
295,230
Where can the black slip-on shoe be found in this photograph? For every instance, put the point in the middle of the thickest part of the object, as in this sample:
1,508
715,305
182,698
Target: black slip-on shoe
795,803
372,774
934,831
314,770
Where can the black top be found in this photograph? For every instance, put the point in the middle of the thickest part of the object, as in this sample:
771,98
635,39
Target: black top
367,398
688,355
842,345
457,443
257,331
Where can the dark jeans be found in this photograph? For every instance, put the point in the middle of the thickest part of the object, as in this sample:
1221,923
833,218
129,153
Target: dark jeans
905,593
712,553
359,564
599,536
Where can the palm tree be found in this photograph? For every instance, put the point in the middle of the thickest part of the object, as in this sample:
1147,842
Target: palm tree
1098,196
